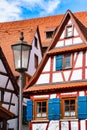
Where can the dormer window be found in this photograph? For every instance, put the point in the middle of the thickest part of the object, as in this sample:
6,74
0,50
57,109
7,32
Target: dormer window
69,31
35,42
49,34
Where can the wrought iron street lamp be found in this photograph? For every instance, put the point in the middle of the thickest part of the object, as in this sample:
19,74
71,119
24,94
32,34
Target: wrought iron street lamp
21,53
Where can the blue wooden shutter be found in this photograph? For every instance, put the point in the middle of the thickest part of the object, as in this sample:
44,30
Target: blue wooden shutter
54,109
24,121
59,62
82,107
29,110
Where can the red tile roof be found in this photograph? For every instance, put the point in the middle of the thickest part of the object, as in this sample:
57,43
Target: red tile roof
67,49
56,87
10,31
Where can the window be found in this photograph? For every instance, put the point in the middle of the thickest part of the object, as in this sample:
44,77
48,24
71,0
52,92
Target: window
69,31
63,62
68,107
56,108
40,109
67,61
49,34
35,42
36,60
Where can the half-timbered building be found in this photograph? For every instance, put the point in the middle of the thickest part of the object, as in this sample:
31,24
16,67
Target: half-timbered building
8,96
58,89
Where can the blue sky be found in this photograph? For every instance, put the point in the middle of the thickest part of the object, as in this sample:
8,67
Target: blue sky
13,10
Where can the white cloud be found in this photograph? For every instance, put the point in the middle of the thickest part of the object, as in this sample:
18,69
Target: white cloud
9,10
12,9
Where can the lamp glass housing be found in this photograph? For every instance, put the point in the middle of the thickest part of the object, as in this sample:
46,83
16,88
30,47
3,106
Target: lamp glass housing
21,53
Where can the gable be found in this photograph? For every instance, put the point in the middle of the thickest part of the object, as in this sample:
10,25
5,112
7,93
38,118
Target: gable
36,52
68,44
75,37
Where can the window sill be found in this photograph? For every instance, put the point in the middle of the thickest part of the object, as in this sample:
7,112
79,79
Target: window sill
34,121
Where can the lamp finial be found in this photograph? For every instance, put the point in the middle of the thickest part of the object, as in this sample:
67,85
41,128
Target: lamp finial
21,36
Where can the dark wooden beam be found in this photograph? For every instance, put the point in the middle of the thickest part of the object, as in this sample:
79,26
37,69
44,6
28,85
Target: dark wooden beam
7,90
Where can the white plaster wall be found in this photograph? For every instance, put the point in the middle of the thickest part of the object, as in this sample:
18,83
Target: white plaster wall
7,96
10,85
47,66
66,74
37,51
64,125
79,60
75,32
15,101
39,126
52,96
44,78
62,35
60,44
69,93
69,22
3,80
57,77
77,40
53,125
83,126
68,42
76,75
74,125
81,93
13,123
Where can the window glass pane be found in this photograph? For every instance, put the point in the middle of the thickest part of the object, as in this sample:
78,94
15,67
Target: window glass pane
49,34
43,104
72,107
66,102
68,61
72,101
43,107
66,108
38,107
35,41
